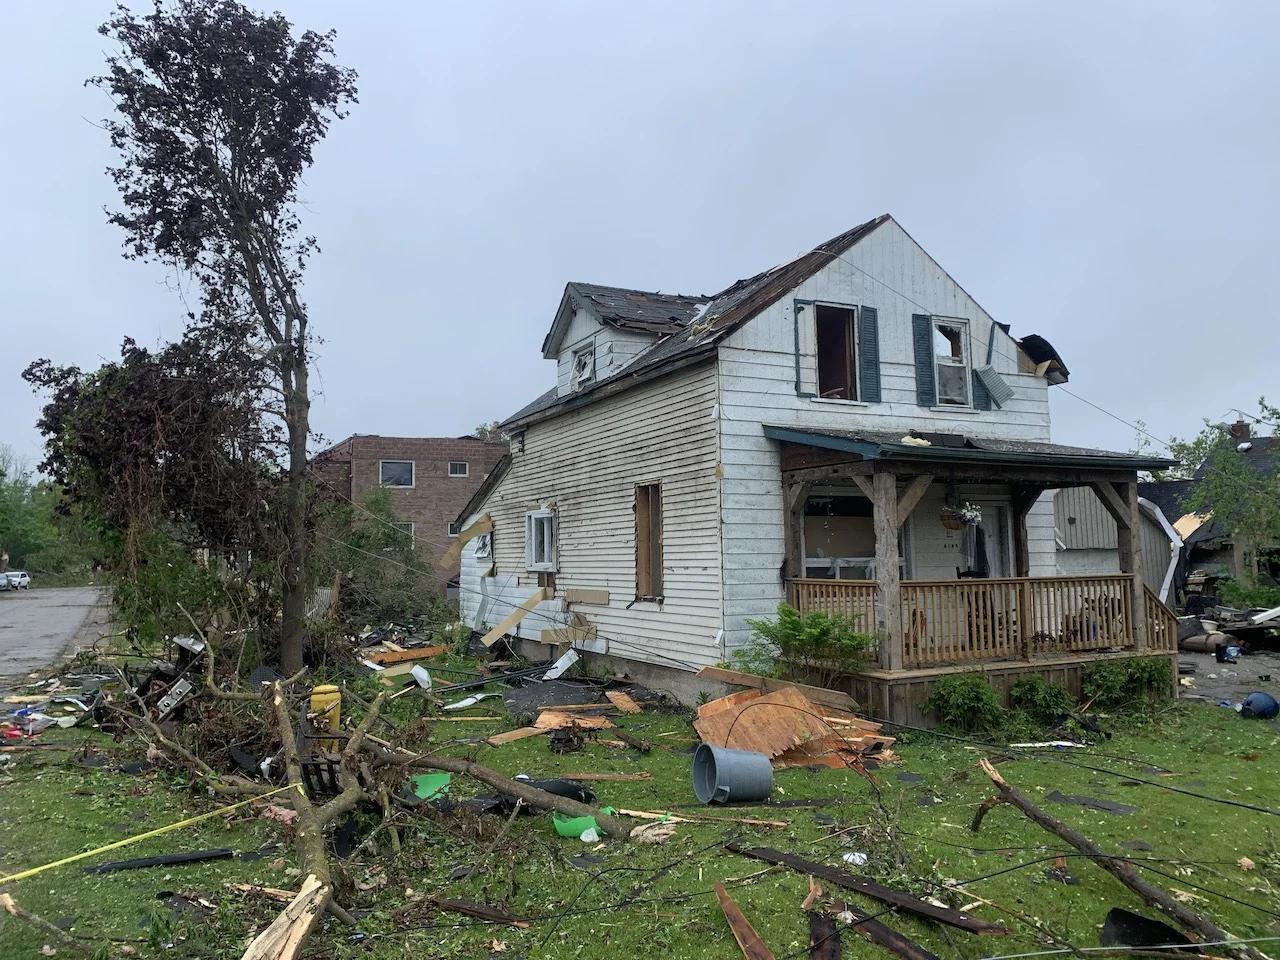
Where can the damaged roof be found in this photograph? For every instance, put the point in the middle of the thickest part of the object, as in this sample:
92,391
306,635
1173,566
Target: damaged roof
879,444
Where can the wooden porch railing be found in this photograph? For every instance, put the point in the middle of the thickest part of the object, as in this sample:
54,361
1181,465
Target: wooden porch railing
855,599
1162,625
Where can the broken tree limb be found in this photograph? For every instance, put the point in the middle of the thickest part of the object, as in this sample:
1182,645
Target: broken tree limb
286,896
753,948
898,899
480,911
44,926
286,934
539,799
1118,868
886,937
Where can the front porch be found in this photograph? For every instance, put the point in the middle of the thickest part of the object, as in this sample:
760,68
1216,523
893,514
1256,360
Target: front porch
859,543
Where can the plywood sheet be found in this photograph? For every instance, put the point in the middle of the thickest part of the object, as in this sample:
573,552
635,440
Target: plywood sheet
555,720
498,739
831,698
769,724
520,612
622,701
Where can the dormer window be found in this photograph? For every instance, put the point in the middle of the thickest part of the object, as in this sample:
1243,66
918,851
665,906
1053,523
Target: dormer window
584,366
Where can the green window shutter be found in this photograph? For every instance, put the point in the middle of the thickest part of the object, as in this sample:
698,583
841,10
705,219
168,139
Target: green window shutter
981,398
869,353
922,337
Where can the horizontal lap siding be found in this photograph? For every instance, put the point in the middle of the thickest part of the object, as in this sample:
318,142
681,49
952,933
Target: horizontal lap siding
587,464
758,386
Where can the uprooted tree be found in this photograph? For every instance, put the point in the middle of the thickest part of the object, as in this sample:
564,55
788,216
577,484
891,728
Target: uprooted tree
218,111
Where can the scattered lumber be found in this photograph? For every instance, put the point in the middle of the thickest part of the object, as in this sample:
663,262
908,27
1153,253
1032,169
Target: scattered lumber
591,777
559,720
699,817
824,937
753,948
386,657
622,701
899,899
635,743
284,937
1120,869
831,698
480,911
510,736
886,937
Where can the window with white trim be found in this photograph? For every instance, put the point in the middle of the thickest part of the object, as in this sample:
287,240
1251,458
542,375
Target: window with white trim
584,366
540,540
951,360
395,473
458,468
453,528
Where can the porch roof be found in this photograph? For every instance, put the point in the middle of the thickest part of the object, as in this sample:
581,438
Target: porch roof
958,448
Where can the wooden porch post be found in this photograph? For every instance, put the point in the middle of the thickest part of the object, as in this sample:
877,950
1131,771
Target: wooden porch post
884,502
1024,498
1121,501
796,495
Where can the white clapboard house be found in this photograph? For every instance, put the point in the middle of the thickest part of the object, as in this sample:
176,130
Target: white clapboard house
849,431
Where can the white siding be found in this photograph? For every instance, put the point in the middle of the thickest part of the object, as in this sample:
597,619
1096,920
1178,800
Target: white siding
587,464
1088,546
614,348
758,386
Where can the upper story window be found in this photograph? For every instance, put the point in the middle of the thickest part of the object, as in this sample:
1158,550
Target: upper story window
395,473
458,468
951,360
837,335
540,540
453,528
584,366
406,528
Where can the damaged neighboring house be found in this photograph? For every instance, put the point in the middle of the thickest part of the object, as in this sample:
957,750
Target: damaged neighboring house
849,431
1210,551
429,480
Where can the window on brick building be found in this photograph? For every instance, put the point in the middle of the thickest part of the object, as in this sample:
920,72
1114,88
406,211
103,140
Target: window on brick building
395,473
453,529
405,527
458,468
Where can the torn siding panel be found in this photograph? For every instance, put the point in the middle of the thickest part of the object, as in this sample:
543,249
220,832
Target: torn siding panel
589,463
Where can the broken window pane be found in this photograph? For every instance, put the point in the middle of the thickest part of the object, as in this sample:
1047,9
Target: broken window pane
540,539
649,540
584,367
837,360
951,355
953,384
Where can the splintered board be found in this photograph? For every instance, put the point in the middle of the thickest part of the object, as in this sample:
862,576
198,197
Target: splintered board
498,739
622,701
555,720
768,724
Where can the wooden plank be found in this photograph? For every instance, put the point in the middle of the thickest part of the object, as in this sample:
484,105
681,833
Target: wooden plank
622,701
864,485
510,736
912,496
1114,503
888,584
454,553
887,937
824,937
520,612
749,942
771,724
574,634
829,698
481,911
598,598
727,703
385,657
593,777
553,720
898,899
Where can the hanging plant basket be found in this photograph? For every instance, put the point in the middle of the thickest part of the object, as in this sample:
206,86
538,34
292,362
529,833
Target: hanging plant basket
951,521
957,518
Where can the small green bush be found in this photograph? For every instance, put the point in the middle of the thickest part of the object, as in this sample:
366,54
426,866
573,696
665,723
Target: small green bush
816,647
1248,593
1114,683
965,703
1044,702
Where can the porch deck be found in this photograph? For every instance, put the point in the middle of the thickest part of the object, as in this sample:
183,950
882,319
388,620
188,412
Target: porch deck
972,621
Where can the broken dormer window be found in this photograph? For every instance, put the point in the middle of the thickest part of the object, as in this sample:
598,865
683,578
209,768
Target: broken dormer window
951,356
836,330
584,367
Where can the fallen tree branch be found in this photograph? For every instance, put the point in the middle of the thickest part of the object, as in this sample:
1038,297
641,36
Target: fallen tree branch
44,926
1120,869
540,799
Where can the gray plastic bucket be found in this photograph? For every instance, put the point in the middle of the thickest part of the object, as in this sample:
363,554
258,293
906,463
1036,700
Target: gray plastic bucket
721,774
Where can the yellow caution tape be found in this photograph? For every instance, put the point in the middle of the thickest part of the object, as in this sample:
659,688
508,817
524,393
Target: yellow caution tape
142,836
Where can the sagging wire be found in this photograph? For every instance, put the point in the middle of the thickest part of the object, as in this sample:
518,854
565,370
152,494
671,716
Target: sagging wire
1136,950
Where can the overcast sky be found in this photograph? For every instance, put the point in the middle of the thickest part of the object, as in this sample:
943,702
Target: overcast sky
1102,174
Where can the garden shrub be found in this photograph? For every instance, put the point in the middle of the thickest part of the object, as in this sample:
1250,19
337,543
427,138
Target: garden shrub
1044,702
816,647
965,703
1114,683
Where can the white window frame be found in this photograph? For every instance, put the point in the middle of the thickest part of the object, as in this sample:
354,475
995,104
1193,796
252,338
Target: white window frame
965,362
546,561
413,475
576,382
856,310
453,529
400,525
484,546
466,468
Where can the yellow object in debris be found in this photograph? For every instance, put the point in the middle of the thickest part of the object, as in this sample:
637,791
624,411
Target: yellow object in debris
326,711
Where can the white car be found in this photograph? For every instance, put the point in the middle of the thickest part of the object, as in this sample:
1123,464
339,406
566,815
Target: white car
18,579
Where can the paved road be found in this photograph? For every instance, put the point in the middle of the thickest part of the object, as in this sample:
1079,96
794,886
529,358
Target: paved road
37,625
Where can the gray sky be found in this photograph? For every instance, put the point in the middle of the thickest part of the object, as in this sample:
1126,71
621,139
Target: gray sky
1102,174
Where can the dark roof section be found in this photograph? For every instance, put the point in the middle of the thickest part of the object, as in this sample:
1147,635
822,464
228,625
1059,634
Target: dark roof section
1168,495
1261,455
486,487
1041,350
663,312
727,311
951,447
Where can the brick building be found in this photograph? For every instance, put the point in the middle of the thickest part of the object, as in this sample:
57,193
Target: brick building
430,480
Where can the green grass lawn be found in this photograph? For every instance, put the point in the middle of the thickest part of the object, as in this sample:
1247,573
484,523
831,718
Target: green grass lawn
619,899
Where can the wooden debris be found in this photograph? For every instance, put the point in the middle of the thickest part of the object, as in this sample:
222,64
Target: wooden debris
510,736
635,743
480,911
520,612
284,937
753,948
480,527
1118,868
887,937
622,701
592,777
558,720
598,598
831,698
824,937
286,895
770,724
869,888
385,657
699,817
